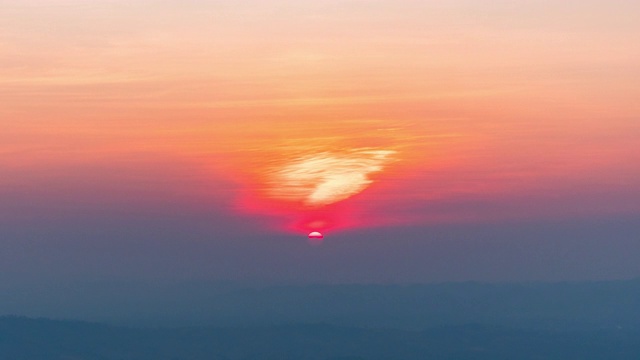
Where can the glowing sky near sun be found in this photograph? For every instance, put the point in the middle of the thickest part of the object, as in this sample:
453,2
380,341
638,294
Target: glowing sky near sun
322,115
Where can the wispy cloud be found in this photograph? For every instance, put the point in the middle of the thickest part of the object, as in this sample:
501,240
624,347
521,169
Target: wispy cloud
325,178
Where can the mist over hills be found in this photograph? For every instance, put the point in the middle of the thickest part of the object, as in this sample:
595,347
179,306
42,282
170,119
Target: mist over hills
560,306
193,321
40,339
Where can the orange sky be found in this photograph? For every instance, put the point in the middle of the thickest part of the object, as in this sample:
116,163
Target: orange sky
330,114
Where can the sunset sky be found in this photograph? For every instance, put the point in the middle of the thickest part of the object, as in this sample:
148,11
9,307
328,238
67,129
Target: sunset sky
428,140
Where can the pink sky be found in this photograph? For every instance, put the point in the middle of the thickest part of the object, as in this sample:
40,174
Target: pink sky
323,115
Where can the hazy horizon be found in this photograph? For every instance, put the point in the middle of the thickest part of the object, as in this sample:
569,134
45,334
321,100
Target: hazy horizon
430,141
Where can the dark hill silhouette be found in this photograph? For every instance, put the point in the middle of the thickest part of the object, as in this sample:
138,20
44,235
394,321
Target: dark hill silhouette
41,339
590,320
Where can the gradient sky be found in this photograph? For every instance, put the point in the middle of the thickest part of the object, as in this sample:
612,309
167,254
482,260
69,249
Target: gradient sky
429,140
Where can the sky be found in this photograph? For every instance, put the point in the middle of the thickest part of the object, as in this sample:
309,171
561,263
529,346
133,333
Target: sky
427,140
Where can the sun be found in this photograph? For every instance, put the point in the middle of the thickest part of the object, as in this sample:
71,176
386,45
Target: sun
315,238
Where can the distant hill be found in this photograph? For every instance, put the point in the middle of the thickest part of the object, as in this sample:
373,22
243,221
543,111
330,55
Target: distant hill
545,306
40,339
